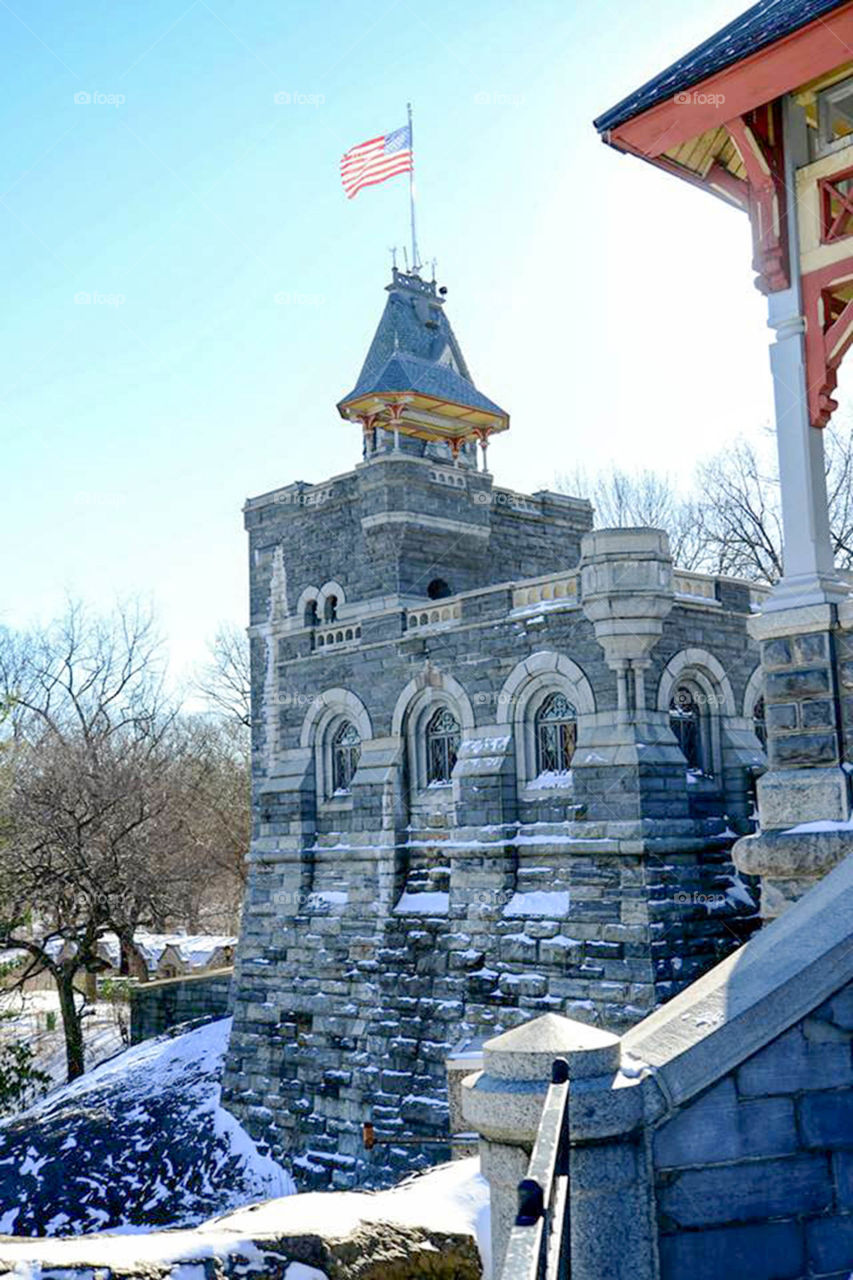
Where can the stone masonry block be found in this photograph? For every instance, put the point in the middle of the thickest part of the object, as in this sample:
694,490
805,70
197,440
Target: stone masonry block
839,1010
830,1245
811,648
826,1119
842,1164
755,1191
777,653
766,1251
817,713
792,1064
781,686
782,715
804,749
720,1128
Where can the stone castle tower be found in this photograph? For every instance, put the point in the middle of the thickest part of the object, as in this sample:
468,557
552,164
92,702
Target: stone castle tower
499,763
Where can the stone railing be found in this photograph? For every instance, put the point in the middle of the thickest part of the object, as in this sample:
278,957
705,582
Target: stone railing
698,586
554,589
326,637
434,615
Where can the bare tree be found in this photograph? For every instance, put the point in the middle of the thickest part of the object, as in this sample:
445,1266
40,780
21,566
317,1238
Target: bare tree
211,785
625,500
225,680
89,810
740,524
732,522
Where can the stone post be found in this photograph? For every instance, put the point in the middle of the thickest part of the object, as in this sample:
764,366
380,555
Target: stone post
503,1103
802,648
628,766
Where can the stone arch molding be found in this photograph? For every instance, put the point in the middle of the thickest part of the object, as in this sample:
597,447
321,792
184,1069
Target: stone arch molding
702,665
539,670
432,686
754,690
330,588
524,691
310,593
329,705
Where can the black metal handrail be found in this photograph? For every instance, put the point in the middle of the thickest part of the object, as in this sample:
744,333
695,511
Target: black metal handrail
540,1242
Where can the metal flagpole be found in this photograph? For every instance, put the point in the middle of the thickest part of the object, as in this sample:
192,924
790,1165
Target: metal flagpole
415,261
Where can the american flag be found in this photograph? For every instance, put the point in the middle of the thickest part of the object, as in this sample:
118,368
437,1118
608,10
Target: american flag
376,160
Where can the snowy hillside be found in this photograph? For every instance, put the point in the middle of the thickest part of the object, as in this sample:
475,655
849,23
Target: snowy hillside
139,1142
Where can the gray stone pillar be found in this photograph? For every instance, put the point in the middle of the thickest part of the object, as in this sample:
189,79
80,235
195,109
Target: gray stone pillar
628,766
503,1102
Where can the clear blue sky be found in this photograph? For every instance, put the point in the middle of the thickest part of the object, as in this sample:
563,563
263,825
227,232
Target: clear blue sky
608,307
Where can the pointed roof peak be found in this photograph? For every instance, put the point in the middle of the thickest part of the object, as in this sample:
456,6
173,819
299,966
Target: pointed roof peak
415,375
413,324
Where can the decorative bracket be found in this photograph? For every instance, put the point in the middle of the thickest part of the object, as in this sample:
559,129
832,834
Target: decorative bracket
758,137
829,334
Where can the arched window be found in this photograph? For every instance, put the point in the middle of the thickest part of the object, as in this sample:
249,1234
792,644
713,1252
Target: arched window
556,726
310,618
438,589
330,609
346,749
759,722
687,722
442,745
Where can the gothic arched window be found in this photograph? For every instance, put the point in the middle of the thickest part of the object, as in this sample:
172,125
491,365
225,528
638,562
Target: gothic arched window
556,726
759,722
310,618
442,745
346,749
330,609
688,724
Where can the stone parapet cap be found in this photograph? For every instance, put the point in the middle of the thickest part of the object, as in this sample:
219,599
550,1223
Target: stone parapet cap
527,1052
792,621
810,850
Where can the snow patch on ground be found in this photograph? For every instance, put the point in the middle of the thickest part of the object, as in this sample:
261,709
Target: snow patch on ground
452,1198
139,1142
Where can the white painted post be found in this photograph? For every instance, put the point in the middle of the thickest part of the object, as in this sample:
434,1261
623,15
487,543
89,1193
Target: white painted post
809,571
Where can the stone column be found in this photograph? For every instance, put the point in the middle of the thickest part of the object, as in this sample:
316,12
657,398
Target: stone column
628,766
503,1103
798,629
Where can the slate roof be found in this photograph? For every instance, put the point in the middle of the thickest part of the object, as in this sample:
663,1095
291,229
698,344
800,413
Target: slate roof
762,25
410,373
415,349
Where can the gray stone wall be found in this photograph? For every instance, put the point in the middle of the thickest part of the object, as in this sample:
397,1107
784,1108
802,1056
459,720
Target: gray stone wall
157,1006
755,1177
384,927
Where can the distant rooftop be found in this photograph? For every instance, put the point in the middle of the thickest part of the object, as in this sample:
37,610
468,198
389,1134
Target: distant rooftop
764,24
